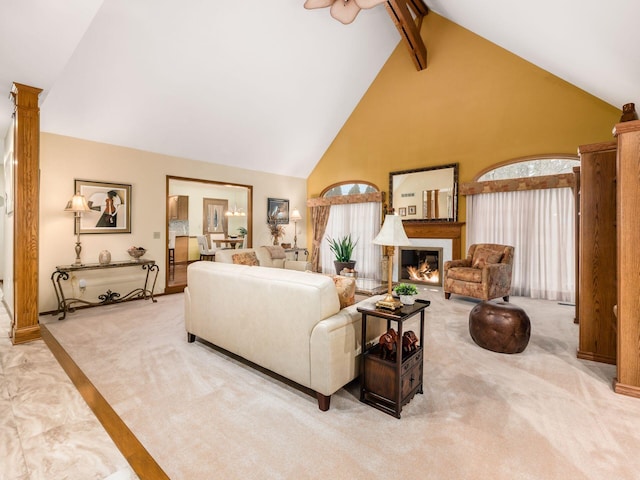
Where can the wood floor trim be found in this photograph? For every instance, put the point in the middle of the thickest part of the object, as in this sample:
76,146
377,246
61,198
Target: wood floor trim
138,457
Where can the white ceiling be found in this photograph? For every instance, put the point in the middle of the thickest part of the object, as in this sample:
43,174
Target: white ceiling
266,85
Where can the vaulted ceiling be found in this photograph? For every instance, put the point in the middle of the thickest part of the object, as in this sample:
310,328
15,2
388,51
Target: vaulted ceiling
266,85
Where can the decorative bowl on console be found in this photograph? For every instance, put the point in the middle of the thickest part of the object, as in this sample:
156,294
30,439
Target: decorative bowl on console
136,252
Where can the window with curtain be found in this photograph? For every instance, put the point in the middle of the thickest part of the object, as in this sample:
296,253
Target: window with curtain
354,208
538,222
540,225
362,221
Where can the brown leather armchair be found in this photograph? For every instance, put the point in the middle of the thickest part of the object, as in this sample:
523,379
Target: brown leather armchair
484,274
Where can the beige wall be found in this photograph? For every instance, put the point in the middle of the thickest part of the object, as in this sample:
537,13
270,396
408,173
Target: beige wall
475,104
63,159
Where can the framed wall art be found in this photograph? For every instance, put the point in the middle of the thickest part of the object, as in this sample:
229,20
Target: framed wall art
402,211
214,218
278,210
109,207
412,209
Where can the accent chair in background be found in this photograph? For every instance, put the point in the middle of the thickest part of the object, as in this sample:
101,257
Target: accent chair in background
485,273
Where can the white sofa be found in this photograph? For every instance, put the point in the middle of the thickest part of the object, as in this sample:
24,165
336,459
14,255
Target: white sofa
263,255
287,321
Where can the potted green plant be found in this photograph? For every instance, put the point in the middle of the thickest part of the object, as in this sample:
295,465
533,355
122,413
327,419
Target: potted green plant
242,231
342,249
407,293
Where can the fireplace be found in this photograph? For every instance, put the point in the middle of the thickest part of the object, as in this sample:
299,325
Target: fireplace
420,265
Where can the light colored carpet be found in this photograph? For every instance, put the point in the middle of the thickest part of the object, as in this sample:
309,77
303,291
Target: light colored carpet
541,414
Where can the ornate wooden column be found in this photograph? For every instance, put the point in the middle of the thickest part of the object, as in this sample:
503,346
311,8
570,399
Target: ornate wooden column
628,235
26,134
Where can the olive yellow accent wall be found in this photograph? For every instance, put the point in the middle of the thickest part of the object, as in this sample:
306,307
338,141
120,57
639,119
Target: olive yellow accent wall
475,104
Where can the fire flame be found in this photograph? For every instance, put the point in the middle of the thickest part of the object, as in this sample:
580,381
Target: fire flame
423,273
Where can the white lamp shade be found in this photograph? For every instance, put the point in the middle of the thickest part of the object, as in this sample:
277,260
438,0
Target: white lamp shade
77,204
295,215
392,233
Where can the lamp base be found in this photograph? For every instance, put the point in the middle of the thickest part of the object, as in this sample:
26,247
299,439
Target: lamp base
78,251
389,303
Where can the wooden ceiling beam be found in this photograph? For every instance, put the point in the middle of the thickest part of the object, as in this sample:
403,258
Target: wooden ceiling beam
400,13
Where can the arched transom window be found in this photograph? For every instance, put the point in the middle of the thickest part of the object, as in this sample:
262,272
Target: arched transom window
531,167
349,188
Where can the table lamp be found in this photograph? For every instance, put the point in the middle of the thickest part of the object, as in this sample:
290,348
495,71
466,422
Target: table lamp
295,217
391,235
77,205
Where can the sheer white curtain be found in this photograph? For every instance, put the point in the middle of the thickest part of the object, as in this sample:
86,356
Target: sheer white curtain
540,225
362,221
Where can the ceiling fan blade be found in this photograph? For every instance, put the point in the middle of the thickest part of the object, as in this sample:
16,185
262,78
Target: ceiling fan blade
310,4
344,12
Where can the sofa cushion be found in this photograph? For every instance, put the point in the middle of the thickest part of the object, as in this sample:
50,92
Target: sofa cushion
246,258
465,274
346,287
484,256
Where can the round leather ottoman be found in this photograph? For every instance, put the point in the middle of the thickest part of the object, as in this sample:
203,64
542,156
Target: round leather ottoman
500,327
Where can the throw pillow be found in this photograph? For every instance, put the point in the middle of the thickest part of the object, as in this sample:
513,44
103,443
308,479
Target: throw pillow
346,287
485,256
246,258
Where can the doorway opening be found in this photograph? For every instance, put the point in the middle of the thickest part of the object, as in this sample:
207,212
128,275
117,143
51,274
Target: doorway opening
187,219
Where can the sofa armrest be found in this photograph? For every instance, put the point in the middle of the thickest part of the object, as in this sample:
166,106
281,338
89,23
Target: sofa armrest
493,271
335,349
465,262
301,265
496,279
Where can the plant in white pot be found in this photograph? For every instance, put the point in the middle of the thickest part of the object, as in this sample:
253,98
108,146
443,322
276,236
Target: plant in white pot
342,248
407,293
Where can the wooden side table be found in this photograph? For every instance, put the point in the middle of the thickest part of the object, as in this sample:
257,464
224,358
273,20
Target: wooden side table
385,384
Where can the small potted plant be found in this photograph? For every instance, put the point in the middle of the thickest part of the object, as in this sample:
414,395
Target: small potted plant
407,293
342,248
242,231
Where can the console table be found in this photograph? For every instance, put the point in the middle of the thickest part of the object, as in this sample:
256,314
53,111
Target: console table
389,384
66,304
297,250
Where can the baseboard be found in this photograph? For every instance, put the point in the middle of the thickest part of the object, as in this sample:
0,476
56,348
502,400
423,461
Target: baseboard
595,357
630,390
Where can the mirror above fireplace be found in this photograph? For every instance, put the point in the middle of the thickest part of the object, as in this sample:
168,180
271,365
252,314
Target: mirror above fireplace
425,194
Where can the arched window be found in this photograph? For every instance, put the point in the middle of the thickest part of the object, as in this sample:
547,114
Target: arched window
349,188
530,167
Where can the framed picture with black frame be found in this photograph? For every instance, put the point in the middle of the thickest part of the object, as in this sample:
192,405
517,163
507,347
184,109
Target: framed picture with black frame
278,211
412,209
